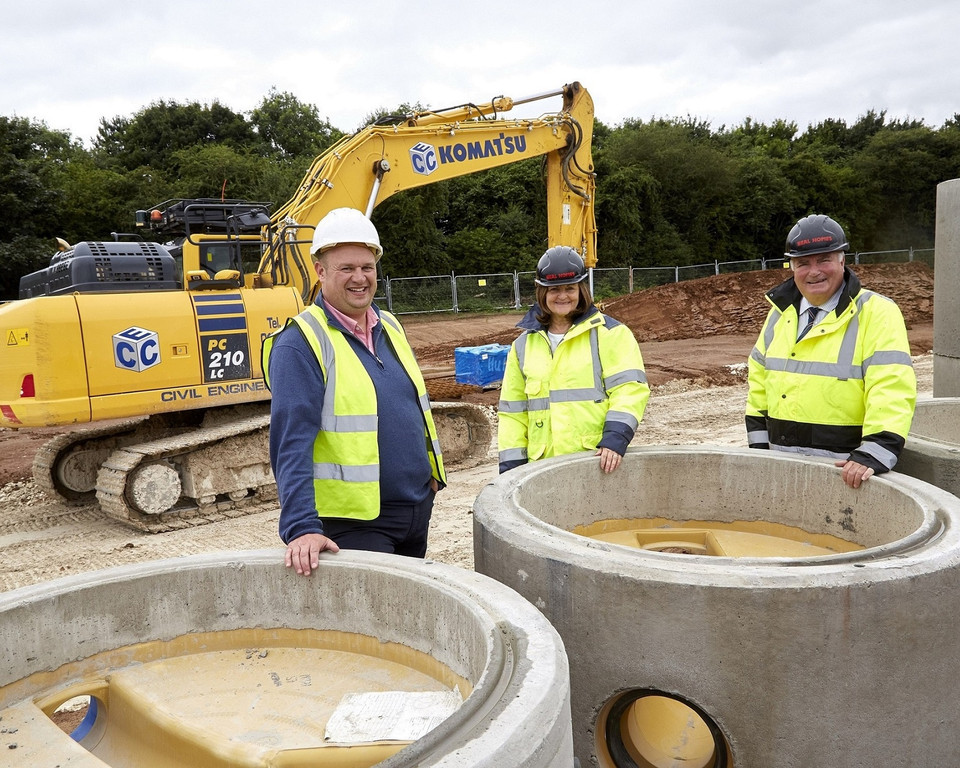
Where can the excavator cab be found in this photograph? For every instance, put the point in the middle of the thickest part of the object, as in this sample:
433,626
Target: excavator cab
216,242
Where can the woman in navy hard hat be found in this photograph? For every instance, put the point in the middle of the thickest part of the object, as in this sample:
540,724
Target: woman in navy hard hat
574,379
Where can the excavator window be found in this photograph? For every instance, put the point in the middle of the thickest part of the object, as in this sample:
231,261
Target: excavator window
216,257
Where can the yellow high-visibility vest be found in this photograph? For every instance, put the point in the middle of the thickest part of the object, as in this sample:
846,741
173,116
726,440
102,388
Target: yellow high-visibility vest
345,453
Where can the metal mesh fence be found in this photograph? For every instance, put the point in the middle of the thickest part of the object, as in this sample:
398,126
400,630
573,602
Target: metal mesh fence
516,290
477,293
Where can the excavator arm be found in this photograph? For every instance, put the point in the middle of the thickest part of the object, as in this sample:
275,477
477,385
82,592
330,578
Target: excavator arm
404,152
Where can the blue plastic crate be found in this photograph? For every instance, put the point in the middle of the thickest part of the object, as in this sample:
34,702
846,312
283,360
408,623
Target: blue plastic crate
480,366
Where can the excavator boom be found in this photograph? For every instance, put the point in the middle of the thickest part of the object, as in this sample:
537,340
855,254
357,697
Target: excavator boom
410,151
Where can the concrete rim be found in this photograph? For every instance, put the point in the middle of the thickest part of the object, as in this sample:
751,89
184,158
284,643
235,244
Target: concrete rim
524,671
922,548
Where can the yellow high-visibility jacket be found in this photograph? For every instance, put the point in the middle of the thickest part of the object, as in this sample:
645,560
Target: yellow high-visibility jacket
846,389
590,393
345,453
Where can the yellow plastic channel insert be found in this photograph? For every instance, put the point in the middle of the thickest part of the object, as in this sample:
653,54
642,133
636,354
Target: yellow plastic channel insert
247,697
705,537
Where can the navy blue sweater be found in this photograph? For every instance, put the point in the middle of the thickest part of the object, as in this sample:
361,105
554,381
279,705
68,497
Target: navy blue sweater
297,387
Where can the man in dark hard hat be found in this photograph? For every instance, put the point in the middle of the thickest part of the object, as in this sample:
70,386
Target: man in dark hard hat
830,374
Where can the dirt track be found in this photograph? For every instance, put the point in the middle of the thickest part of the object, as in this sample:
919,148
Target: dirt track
695,337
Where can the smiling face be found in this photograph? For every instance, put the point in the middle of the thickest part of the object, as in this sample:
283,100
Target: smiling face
562,300
348,275
818,277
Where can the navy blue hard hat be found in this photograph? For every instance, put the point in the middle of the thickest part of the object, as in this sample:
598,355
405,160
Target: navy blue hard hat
560,265
815,234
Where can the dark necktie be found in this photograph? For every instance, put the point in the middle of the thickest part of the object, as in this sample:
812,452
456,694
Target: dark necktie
812,313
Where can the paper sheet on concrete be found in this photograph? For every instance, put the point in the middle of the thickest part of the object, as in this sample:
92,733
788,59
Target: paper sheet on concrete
389,715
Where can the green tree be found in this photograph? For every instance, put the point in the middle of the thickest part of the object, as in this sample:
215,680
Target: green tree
290,129
899,169
412,244
153,136
33,159
32,162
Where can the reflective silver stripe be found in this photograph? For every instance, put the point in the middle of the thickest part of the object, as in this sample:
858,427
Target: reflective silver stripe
574,396
425,403
597,370
327,415
538,404
622,417
368,473
848,347
809,368
771,326
513,454
808,451
757,356
888,357
353,424
758,436
624,377
512,406
393,322
521,347
881,454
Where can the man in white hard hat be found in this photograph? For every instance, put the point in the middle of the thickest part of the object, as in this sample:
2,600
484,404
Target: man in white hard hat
353,443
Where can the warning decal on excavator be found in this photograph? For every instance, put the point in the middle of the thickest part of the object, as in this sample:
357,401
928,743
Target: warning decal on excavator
18,337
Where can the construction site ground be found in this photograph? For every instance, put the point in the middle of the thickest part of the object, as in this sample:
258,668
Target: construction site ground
695,337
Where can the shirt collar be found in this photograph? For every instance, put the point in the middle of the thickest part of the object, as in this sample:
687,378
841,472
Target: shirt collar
370,320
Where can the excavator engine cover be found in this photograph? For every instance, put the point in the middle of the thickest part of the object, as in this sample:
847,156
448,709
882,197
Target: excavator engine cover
96,266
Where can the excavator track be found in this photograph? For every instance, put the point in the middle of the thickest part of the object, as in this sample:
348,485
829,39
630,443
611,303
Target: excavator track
66,466
172,471
189,479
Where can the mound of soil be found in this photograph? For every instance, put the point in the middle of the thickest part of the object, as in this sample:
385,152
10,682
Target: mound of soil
735,304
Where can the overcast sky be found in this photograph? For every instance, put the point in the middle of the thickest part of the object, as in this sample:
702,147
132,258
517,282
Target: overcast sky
69,64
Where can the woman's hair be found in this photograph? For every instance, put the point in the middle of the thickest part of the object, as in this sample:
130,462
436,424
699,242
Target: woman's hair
584,303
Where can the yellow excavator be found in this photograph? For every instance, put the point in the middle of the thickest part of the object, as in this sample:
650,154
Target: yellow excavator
159,345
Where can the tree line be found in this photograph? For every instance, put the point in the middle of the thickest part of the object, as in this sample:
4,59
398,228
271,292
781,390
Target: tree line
669,190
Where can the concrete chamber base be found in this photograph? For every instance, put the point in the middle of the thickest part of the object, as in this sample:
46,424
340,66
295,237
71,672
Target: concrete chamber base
847,658
932,452
233,660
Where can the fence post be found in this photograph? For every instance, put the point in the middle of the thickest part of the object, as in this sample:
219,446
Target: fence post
630,280
453,291
389,292
910,255
716,267
516,289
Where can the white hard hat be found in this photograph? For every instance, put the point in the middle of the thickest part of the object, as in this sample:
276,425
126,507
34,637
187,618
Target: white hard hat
345,225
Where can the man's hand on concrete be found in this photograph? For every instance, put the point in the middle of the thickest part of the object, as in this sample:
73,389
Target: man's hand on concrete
303,553
854,473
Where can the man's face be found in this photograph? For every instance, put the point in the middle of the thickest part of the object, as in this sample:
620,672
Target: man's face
818,277
348,274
